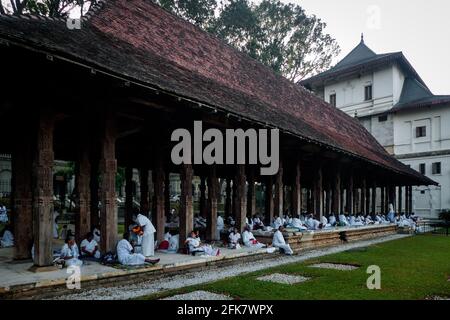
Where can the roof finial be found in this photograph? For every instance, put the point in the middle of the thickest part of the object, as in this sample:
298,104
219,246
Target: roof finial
362,37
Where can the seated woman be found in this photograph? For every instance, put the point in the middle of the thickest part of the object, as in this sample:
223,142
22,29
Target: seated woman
249,239
7,238
89,247
127,257
3,215
233,239
279,242
194,244
332,220
297,223
70,253
257,223
343,221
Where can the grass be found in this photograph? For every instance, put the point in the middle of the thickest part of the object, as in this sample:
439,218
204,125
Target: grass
411,268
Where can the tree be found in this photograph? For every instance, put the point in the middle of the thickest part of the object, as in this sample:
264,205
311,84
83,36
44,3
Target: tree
279,35
51,8
198,12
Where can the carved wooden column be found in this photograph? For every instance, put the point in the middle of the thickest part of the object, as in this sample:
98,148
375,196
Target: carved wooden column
186,206
211,217
279,196
228,205
368,198
159,185
202,205
318,193
407,209
327,207
128,196
22,193
145,195
337,192
269,199
43,191
95,189
240,198
297,192
251,193
82,188
374,198
350,193
167,193
410,206
108,170
400,200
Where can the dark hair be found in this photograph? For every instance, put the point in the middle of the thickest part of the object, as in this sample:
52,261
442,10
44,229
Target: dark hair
69,238
89,235
126,235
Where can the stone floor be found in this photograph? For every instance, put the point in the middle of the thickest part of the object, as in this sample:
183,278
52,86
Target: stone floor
199,295
283,278
16,273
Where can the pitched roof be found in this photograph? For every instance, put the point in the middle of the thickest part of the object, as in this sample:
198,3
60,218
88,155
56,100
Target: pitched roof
414,94
361,59
139,41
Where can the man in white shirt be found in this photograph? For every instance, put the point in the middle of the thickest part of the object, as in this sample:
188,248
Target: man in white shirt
148,238
89,247
279,242
249,239
127,257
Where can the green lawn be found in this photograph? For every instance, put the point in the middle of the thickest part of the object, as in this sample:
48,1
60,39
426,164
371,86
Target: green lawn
411,268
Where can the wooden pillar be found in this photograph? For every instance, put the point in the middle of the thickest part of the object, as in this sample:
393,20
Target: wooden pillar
269,204
251,193
128,196
202,206
400,199
143,182
318,194
94,186
368,199
337,192
211,213
43,191
407,207
327,210
383,200
279,195
82,190
350,194
108,170
228,206
22,193
410,206
241,197
374,198
186,205
167,193
297,192
159,197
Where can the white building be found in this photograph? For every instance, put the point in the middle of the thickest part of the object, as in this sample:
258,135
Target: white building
394,104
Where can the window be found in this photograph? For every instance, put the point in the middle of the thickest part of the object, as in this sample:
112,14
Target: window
382,118
422,168
421,132
436,168
333,99
368,93
422,191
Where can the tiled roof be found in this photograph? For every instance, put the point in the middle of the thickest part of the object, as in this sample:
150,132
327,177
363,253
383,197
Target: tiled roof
140,41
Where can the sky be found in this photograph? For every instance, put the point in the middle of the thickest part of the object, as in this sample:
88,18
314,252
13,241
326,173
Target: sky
418,28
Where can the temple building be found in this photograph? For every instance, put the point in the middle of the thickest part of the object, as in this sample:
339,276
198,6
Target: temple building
388,97
109,95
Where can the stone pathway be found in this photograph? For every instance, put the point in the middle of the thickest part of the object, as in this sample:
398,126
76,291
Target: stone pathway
199,295
283,278
189,279
334,266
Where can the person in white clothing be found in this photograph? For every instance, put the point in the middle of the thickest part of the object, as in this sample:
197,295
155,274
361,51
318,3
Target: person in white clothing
343,221
219,226
279,242
194,244
3,214
297,223
233,239
55,224
89,247
249,239
332,220
96,233
7,239
127,257
70,253
312,224
325,223
148,238
277,222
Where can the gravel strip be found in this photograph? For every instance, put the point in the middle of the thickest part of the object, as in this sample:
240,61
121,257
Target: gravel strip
334,266
199,295
283,278
183,280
